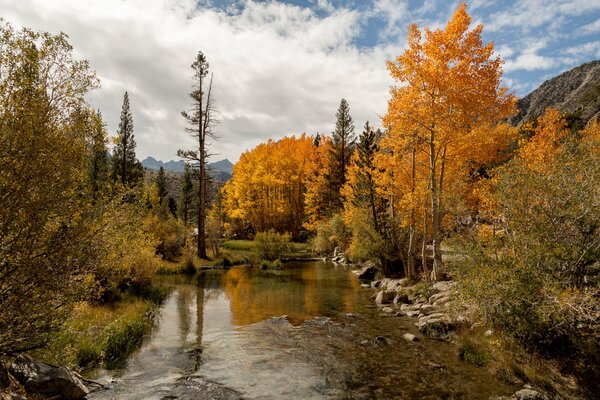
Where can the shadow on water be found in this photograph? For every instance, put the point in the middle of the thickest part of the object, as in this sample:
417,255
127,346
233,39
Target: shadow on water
308,331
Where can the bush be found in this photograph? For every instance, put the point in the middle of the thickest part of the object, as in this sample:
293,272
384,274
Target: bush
538,278
366,243
331,234
272,245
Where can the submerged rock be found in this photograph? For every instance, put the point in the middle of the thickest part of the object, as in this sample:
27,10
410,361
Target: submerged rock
4,380
530,394
382,298
410,337
367,273
45,379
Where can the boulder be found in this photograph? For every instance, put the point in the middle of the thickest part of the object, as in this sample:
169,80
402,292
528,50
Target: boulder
375,284
401,298
382,298
427,309
45,379
388,310
529,394
367,273
437,326
438,296
4,380
409,337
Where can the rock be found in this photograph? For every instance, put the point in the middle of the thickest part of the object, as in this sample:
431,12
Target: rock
437,326
336,252
405,308
427,309
375,284
565,92
412,313
432,365
488,333
409,337
382,298
11,396
4,380
365,285
42,378
388,310
401,298
382,340
400,314
529,394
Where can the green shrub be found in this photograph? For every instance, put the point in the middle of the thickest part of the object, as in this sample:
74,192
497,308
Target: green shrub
331,234
272,245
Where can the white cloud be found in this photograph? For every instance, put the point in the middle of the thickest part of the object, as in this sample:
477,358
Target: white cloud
278,69
529,59
593,27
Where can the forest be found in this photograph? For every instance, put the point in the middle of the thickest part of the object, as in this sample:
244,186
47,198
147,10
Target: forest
447,189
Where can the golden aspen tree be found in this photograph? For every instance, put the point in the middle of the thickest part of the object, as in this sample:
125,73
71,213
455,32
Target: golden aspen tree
449,83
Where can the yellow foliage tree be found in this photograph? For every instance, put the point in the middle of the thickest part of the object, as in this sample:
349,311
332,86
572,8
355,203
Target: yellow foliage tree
449,84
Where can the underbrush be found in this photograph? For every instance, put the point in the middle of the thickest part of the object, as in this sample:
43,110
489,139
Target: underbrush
505,359
100,335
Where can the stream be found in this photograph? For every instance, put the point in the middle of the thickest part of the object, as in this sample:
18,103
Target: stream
308,331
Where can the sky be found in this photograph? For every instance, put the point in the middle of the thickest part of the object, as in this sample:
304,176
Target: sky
282,67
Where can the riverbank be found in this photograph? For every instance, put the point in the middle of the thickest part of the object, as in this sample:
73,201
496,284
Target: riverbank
439,312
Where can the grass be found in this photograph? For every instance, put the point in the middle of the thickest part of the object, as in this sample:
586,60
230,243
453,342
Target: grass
502,357
101,335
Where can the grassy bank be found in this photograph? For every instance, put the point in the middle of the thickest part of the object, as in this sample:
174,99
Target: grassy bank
101,335
231,252
501,356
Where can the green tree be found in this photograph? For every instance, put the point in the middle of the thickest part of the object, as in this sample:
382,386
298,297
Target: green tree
98,166
343,141
125,167
161,185
200,122
186,198
43,168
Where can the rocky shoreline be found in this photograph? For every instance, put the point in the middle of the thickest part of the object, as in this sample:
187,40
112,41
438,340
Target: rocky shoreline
433,305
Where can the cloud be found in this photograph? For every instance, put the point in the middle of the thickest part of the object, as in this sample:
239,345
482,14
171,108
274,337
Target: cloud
529,59
281,68
278,68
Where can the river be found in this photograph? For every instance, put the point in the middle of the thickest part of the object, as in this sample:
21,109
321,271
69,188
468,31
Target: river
308,331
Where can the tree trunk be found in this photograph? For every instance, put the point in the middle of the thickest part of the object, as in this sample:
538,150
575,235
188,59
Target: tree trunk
435,210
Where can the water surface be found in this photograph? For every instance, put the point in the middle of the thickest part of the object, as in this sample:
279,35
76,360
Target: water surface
308,331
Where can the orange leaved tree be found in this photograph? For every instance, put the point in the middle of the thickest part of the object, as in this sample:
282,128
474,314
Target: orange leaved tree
449,83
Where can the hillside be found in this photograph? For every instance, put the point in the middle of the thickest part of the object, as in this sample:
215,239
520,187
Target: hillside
575,92
218,167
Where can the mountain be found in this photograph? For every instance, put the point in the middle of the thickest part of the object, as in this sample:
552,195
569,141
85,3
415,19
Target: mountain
223,166
221,170
575,92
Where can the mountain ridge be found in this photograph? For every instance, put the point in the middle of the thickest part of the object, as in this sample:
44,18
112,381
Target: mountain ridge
575,92
178,166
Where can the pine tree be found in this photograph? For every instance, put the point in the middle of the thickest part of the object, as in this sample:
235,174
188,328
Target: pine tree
98,168
186,197
364,190
343,141
200,121
125,167
161,185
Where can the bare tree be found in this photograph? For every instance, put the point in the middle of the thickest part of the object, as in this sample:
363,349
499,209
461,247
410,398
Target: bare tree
200,123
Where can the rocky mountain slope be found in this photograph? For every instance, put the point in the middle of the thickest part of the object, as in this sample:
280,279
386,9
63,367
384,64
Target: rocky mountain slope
575,92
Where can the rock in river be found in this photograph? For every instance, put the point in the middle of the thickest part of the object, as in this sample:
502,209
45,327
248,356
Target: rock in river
48,380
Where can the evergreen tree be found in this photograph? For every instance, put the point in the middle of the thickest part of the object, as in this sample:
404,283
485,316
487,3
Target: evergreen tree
364,190
125,167
161,185
186,198
343,141
98,168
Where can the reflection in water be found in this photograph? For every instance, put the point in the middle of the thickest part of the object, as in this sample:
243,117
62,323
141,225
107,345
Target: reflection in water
300,291
216,338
